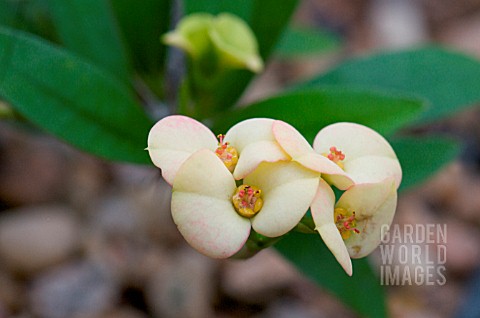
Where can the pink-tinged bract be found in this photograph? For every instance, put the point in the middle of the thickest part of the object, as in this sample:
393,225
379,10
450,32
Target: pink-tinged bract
369,158
202,206
322,212
288,189
254,140
298,148
175,138
374,205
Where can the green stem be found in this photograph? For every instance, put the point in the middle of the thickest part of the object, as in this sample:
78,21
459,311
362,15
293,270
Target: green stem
255,243
306,226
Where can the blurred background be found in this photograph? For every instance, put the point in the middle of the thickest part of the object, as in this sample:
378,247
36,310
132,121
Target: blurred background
81,237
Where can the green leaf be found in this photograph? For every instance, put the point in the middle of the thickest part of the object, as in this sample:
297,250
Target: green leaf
311,110
305,42
421,158
449,80
7,13
142,26
268,21
266,18
71,98
362,292
239,8
88,27
32,16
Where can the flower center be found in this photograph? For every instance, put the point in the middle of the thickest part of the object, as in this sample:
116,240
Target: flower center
345,222
336,156
247,200
226,153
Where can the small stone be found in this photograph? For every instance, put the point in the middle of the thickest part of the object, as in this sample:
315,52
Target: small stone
463,34
122,312
406,302
287,309
3,311
397,23
446,299
442,190
87,179
462,253
258,279
153,202
81,289
11,296
183,287
467,203
34,238
454,190
32,167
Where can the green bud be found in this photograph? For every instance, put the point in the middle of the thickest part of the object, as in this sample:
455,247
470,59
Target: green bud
192,35
225,40
236,42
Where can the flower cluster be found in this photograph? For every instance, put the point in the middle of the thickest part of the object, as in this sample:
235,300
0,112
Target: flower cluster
263,174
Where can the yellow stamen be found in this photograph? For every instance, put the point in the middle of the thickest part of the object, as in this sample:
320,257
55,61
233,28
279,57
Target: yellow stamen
247,200
227,153
345,222
336,156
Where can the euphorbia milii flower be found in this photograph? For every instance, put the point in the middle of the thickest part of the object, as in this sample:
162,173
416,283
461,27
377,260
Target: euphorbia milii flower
298,148
365,165
215,216
358,153
174,138
352,226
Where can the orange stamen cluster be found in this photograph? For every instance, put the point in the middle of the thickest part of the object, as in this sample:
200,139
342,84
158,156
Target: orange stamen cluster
247,200
226,153
346,224
336,156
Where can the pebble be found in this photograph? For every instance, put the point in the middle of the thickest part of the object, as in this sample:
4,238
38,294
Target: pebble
405,302
114,235
462,252
88,180
183,287
153,201
454,190
11,293
258,279
32,169
463,34
80,289
33,238
397,23
288,309
123,312
443,189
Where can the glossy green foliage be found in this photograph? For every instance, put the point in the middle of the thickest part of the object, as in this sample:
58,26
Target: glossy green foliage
448,80
311,110
88,28
141,27
71,98
305,42
362,292
423,157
